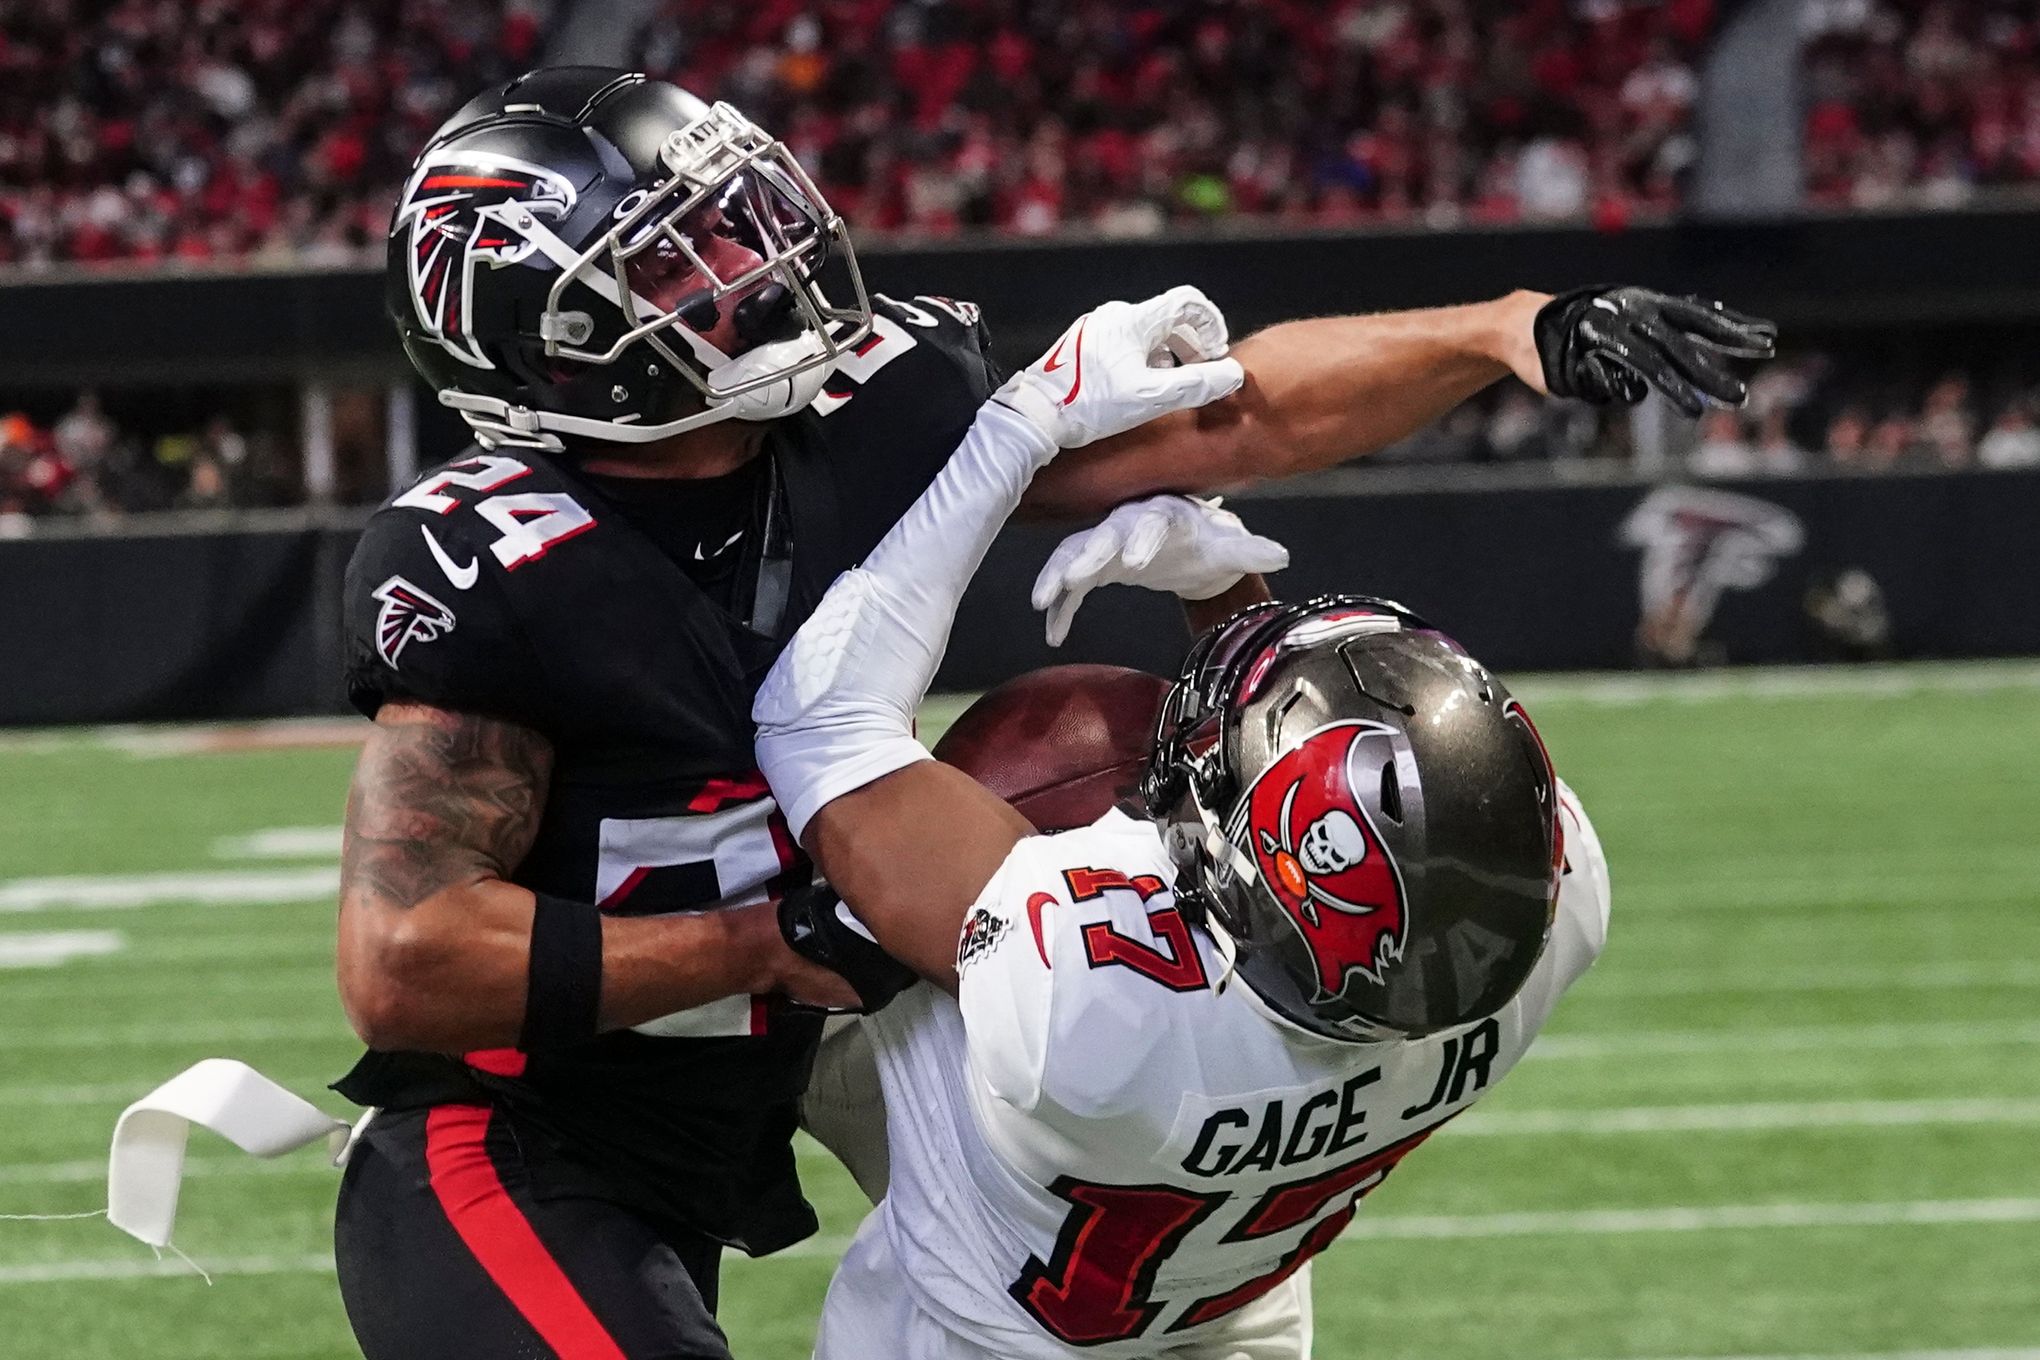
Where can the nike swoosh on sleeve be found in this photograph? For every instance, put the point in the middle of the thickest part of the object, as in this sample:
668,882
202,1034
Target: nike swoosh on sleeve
462,577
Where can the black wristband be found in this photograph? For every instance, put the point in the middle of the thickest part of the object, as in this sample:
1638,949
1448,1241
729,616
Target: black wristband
563,987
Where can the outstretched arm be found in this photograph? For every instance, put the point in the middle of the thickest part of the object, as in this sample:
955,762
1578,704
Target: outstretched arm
1323,391
910,844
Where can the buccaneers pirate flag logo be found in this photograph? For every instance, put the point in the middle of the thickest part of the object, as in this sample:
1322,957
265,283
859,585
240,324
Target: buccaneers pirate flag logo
459,209
1319,853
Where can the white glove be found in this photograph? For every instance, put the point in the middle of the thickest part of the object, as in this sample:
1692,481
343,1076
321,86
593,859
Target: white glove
1123,364
1177,544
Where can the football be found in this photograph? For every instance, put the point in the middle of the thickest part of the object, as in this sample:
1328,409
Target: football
1062,744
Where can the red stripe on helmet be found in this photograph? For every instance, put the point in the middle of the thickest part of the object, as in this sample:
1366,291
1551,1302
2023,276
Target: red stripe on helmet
472,182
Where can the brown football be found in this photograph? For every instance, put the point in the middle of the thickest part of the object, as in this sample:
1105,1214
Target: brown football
1062,744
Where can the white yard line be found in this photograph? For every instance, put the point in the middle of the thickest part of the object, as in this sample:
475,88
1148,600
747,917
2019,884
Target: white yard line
144,1267
1983,892
49,948
1662,1043
1589,1223
1930,977
2025,1353
1779,683
1685,1219
281,842
1750,1118
218,887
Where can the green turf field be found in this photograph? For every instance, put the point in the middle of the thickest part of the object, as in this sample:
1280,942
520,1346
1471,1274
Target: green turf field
1795,1111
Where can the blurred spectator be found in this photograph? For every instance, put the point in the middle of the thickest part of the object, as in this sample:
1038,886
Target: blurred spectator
1921,105
206,487
2013,441
1722,451
194,130
84,436
87,464
1946,427
279,130
1129,118
1776,454
32,474
1848,438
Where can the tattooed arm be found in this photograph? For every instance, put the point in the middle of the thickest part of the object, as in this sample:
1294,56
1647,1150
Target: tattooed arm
435,941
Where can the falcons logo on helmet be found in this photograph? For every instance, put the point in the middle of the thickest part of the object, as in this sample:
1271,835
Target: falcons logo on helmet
408,614
1320,855
457,209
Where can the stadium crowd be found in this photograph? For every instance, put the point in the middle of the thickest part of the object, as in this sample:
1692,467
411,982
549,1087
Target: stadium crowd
1812,414
1920,105
1127,118
271,130
278,130
1807,414
85,463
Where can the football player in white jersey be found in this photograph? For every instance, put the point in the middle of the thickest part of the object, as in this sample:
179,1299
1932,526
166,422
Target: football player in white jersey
1161,1058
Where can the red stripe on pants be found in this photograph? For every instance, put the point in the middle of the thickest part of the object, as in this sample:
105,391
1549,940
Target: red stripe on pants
502,1238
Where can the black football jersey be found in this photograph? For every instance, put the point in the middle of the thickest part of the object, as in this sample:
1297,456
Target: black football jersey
507,583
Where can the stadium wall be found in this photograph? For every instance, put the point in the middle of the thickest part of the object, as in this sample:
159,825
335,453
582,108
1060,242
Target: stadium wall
108,327
169,625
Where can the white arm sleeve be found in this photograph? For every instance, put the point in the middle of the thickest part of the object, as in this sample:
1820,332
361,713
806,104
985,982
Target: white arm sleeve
836,712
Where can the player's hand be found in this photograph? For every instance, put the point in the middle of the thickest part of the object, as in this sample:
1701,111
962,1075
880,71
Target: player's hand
820,930
1612,345
1178,544
1125,363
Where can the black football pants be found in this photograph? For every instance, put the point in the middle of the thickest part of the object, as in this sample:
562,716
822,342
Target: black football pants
444,1254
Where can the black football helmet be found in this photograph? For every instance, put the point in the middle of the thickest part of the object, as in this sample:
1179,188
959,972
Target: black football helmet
586,252
1363,813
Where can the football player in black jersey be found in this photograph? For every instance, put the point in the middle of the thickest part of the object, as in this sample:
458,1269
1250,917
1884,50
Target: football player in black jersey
556,932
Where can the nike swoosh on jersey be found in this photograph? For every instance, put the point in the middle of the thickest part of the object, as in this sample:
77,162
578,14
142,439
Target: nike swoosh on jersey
462,577
1035,906
700,556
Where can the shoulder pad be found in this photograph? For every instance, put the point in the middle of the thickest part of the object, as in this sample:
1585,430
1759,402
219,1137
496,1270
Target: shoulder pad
424,606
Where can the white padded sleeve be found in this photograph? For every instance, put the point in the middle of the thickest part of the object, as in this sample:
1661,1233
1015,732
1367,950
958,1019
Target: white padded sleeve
836,712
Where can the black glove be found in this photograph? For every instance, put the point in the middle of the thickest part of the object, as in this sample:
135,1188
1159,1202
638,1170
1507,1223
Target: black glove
815,925
1604,344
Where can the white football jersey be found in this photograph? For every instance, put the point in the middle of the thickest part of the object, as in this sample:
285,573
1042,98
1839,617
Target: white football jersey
1096,1145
